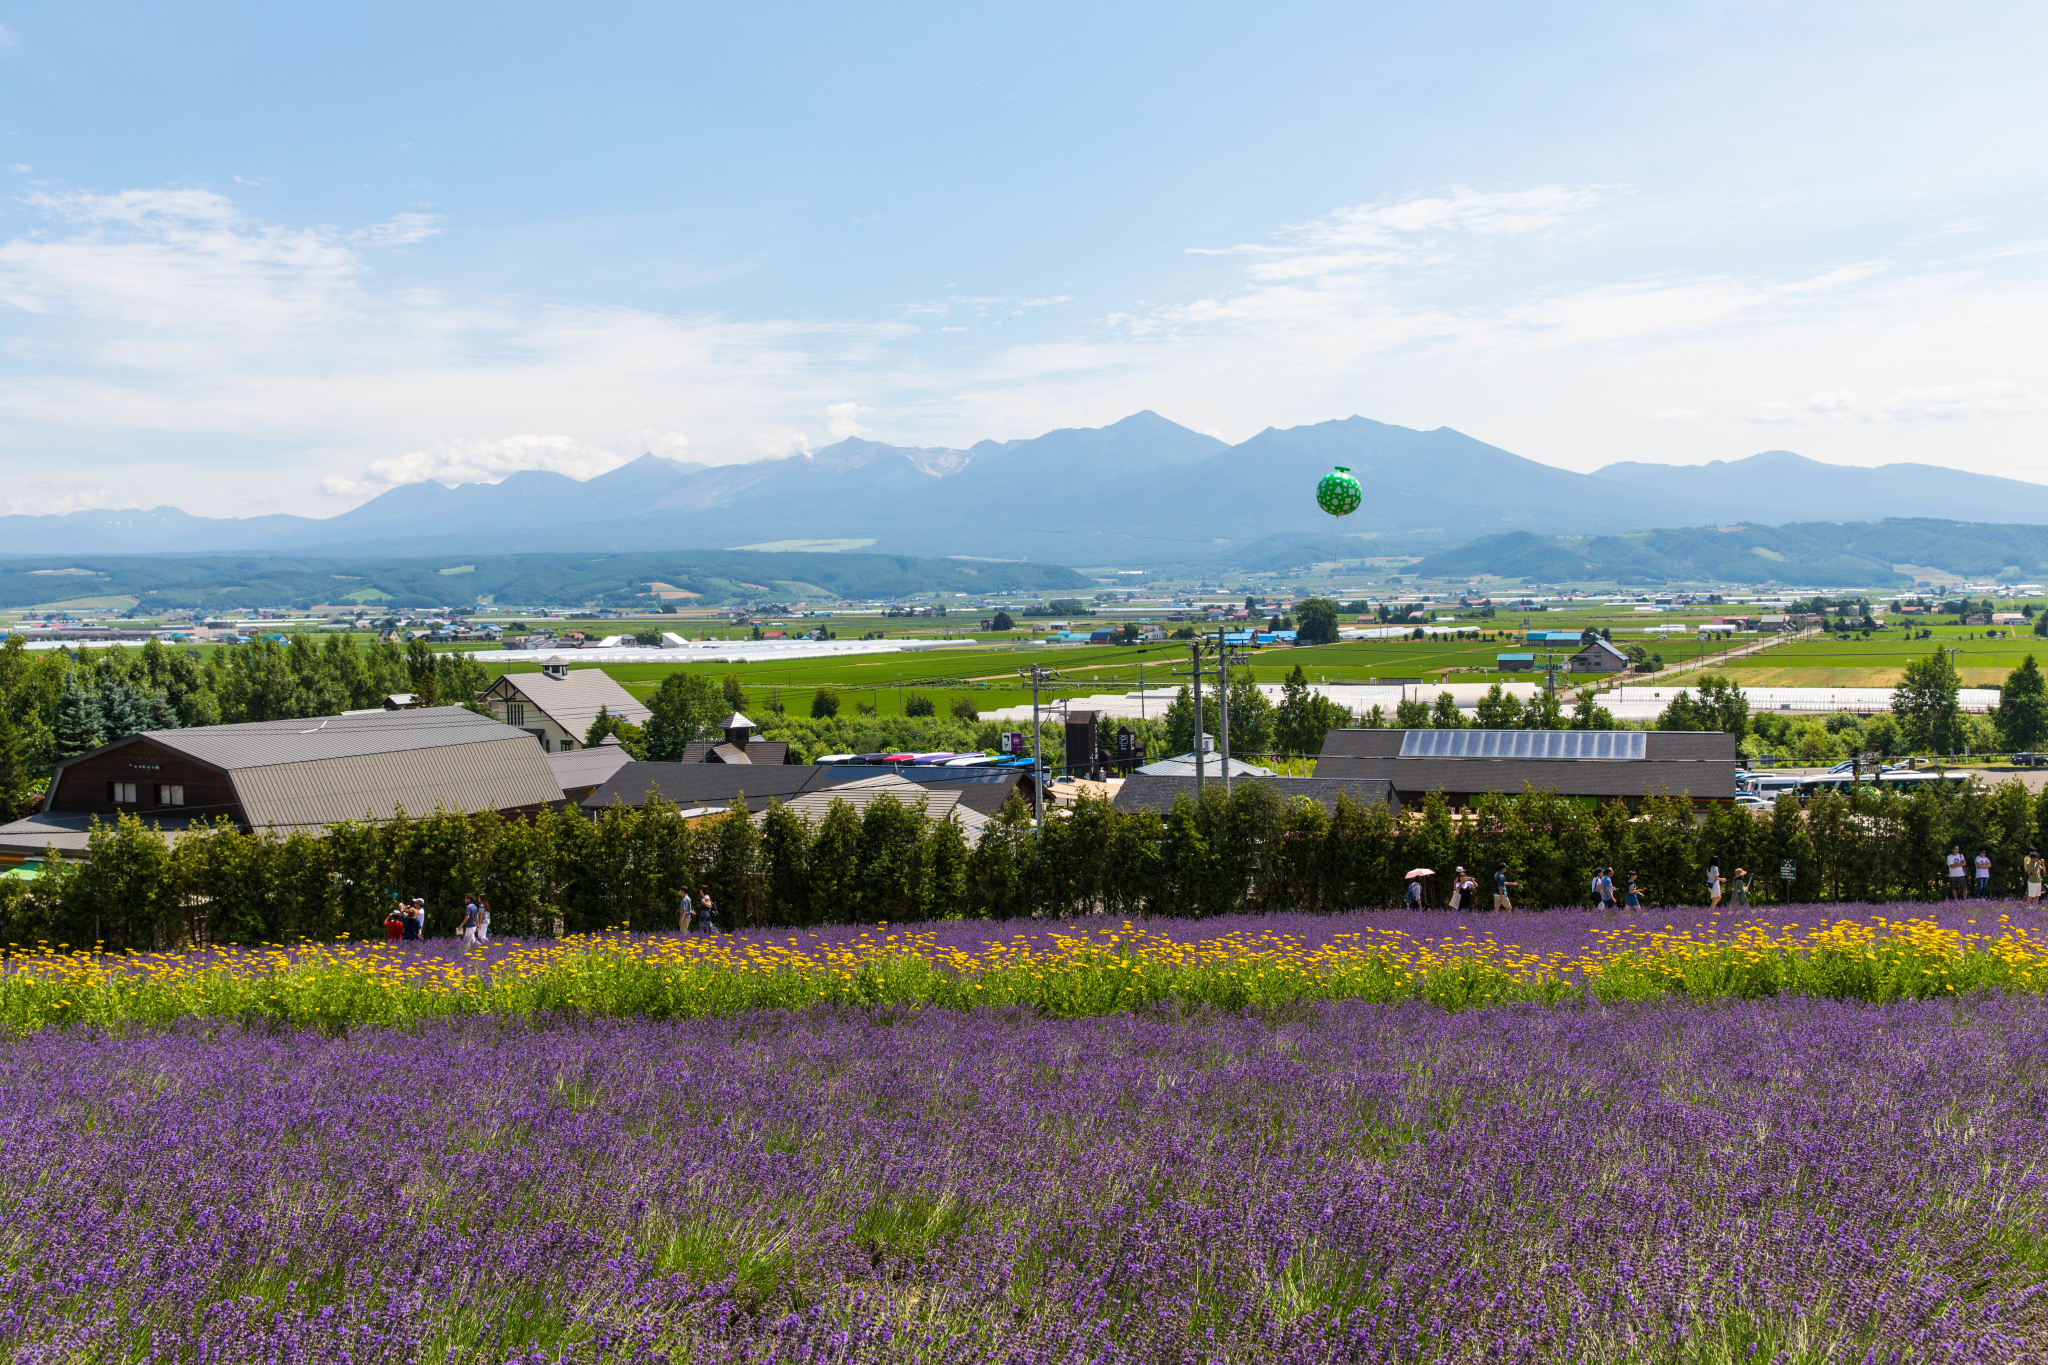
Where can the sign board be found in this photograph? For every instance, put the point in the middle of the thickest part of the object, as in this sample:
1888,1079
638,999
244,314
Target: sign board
1012,742
1789,870
1126,745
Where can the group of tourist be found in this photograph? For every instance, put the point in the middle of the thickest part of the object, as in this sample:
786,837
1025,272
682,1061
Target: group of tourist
1963,872
1735,886
697,916
408,923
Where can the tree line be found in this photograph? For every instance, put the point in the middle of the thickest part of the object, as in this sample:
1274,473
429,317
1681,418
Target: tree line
55,704
1249,852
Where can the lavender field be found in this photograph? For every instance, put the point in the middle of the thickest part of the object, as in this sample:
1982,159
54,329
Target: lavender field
1788,1180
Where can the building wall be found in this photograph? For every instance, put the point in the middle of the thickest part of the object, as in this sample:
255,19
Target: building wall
522,714
82,785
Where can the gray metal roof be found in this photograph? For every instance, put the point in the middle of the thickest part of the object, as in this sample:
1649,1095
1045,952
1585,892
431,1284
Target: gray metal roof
1212,766
573,699
1140,792
69,831
760,752
263,743
1701,779
497,774
589,767
703,784
940,803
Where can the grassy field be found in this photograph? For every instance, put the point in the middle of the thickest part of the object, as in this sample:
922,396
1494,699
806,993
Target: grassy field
987,673
1881,660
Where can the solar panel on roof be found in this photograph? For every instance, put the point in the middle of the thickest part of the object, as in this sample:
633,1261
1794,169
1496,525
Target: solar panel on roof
1600,744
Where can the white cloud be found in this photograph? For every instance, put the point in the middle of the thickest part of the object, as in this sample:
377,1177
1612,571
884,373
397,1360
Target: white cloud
484,461
842,420
172,317
669,445
402,230
6,36
1989,398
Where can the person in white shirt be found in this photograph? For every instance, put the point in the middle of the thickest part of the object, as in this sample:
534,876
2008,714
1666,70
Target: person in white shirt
1983,866
1957,865
1713,882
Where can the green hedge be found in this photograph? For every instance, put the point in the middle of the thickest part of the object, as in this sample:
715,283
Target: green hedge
1253,851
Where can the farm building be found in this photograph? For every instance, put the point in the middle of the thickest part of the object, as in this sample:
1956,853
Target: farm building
1514,663
712,786
1598,656
738,746
583,771
290,775
1624,765
557,705
1140,792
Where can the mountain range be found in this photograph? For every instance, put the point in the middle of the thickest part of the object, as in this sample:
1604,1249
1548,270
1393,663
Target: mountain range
1142,491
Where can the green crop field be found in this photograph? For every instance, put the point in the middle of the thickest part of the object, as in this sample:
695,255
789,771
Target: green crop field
1881,660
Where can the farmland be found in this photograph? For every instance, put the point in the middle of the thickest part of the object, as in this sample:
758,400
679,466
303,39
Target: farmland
1755,1181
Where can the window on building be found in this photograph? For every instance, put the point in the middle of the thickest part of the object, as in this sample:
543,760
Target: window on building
566,745
170,794
515,713
123,793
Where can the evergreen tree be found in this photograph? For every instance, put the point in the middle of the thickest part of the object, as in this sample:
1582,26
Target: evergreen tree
1544,712
1445,714
80,726
14,774
2022,711
1590,714
605,723
1499,711
1251,715
1928,707
1317,619
1305,717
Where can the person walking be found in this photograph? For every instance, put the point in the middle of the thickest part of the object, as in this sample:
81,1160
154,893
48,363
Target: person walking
2037,873
684,910
1468,891
707,917
1713,882
1956,866
1983,866
394,923
1501,887
466,931
416,921
1411,896
1635,893
483,919
1599,901
1739,894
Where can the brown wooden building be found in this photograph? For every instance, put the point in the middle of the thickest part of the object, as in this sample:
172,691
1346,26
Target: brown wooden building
292,774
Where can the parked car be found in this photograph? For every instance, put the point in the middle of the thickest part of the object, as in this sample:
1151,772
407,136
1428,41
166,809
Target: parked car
1751,801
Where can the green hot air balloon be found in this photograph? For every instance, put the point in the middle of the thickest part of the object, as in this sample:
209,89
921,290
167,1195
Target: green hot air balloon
1338,493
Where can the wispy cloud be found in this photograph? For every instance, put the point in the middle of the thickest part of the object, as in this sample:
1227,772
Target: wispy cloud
482,461
842,420
173,316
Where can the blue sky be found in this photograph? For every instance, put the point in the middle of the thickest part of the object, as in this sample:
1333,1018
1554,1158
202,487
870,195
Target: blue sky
277,258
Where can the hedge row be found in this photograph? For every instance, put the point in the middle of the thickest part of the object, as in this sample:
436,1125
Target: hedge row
1253,851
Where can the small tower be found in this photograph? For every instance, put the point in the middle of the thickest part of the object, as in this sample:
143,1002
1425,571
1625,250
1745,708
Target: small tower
738,730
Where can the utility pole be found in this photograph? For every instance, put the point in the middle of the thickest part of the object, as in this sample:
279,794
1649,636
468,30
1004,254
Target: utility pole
1037,675
1223,706
1195,667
